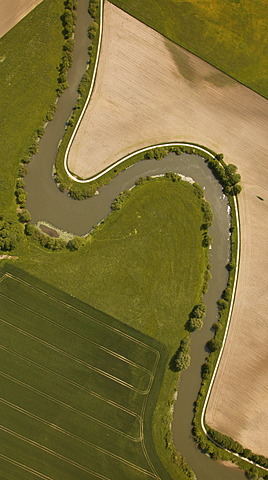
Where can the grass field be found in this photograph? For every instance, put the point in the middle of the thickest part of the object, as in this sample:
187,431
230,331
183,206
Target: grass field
229,34
35,46
75,387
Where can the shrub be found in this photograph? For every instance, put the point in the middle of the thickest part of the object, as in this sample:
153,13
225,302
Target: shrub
199,310
222,304
195,324
198,190
119,201
93,8
75,243
82,192
22,170
30,229
173,176
140,181
206,370
10,233
237,189
20,183
196,317
92,30
214,344
21,196
24,216
181,360
207,240
227,293
207,213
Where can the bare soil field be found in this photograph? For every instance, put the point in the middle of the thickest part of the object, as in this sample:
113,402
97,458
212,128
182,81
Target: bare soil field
12,11
148,91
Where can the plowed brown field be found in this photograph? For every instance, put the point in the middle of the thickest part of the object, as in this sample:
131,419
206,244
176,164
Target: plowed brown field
12,11
149,90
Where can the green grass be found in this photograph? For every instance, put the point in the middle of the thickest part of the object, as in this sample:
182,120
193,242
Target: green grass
76,386
29,54
229,34
144,266
134,265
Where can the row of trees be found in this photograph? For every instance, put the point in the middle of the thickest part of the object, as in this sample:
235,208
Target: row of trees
236,447
68,21
64,183
227,175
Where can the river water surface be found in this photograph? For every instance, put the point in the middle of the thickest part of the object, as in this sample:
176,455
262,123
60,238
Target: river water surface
46,203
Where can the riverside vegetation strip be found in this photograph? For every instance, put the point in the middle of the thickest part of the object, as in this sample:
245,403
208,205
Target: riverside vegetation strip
231,35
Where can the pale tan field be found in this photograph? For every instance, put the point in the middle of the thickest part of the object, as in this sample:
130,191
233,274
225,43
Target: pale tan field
12,11
148,91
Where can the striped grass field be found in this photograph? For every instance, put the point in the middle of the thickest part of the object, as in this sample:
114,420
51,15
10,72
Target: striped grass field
77,389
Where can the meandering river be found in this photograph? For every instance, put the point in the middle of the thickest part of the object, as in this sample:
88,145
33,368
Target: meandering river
46,203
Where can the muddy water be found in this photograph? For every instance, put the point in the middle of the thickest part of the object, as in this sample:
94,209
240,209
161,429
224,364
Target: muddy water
46,203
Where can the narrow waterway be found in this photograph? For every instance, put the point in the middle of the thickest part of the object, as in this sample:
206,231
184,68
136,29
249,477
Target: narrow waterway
46,203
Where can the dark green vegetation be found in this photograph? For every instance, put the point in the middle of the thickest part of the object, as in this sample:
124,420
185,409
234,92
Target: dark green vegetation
145,266
78,388
229,34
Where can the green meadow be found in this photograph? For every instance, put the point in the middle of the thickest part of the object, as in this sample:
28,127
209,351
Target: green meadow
229,34
29,56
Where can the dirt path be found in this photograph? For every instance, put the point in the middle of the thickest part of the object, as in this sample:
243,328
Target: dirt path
12,11
148,91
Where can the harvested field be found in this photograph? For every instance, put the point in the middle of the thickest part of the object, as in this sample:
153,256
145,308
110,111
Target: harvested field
12,11
149,90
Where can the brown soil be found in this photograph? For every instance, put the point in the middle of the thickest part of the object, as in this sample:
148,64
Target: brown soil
148,91
12,11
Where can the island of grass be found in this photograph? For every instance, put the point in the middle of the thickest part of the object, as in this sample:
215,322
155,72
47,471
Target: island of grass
229,34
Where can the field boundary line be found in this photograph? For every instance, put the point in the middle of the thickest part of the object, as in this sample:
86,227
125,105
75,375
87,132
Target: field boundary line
102,347
86,315
76,359
65,405
81,387
25,467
